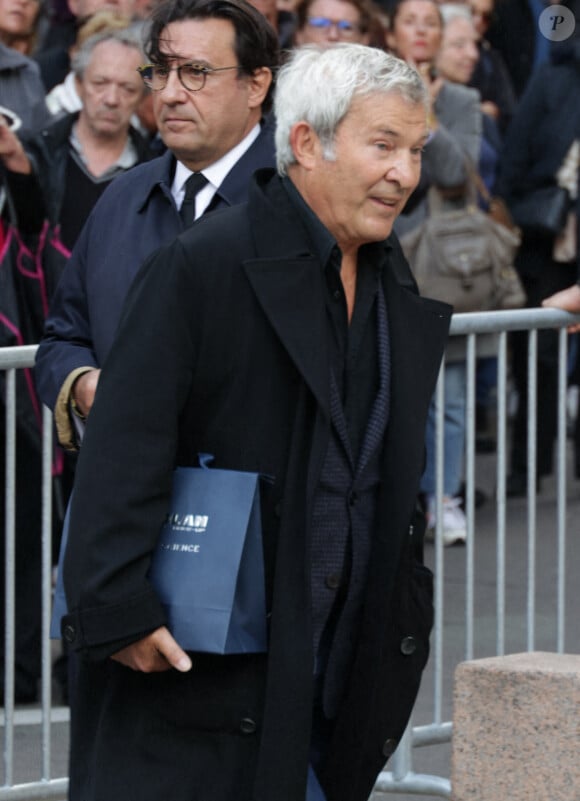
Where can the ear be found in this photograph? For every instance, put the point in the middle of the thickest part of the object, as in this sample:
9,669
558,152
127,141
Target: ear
79,87
305,145
258,84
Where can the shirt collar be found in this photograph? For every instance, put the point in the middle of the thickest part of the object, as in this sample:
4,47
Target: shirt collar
128,158
323,243
215,173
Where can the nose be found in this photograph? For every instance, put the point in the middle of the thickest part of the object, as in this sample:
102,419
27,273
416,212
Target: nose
405,170
112,95
173,91
332,32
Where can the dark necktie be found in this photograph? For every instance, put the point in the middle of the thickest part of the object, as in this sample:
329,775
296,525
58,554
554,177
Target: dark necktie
193,185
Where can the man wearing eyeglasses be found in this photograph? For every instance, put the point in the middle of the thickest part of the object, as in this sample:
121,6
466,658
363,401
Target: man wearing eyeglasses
210,71
326,22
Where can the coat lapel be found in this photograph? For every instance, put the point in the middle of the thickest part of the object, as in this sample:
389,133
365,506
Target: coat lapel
288,282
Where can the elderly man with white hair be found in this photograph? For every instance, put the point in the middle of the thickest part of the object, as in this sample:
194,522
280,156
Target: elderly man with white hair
285,337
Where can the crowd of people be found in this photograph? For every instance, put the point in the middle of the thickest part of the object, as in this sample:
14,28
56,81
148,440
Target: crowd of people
127,121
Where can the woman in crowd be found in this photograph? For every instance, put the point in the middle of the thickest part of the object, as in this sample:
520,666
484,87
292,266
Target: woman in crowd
416,34
490,76
542,152
19,21
326,22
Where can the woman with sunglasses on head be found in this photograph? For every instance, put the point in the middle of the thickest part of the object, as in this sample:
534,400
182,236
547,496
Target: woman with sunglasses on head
326,22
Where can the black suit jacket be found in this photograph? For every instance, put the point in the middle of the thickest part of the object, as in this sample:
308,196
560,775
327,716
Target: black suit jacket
222,348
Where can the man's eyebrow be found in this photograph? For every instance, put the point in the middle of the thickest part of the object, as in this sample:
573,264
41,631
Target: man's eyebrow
397,135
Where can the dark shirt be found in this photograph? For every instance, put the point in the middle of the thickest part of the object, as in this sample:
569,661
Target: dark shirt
353,347
81,192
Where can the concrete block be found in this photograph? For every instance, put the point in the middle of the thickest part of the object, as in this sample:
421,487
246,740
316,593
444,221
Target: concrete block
516,729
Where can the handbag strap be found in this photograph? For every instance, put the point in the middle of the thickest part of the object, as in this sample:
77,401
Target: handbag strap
473,185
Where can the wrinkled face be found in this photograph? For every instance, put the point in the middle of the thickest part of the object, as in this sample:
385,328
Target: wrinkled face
331,21
18,17
458,54
111,88
200,127
417,31
377,164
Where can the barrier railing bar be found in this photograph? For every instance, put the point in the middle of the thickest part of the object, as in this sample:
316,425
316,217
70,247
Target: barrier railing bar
532,483
10,580
470,496
46,588
439,561
561,487
55,790
501,569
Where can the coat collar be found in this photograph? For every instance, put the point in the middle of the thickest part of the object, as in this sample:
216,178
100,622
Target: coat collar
288,282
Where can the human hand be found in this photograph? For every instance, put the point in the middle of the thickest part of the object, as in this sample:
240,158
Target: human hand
430,78
84,389
491,109
155,653
11,151
568,300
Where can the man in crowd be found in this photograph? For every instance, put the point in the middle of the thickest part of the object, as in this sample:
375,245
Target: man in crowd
53,57
211,78
285,337
60,174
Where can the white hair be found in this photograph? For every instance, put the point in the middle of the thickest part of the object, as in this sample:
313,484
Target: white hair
318,86
131,36
451,11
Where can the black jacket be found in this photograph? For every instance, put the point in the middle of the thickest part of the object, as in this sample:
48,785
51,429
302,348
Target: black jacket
223,343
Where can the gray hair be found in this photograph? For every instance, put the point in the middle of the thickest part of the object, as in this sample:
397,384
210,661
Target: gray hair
451,11
131,36
318,86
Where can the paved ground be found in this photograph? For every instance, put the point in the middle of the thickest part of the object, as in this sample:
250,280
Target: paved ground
436,759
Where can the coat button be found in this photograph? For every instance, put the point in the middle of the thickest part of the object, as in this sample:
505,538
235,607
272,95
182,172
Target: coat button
69,633
353,498
248,726
408,646
389,747
332,581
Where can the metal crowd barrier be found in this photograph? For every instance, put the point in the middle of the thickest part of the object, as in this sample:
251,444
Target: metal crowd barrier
33,730
400,778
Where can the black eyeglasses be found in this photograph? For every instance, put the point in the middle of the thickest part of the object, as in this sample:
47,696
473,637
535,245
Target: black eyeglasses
343,26
191,76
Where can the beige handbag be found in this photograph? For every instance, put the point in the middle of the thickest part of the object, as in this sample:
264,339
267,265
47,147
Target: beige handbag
465,257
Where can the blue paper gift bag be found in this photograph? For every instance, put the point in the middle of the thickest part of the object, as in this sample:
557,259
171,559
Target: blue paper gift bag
208,566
